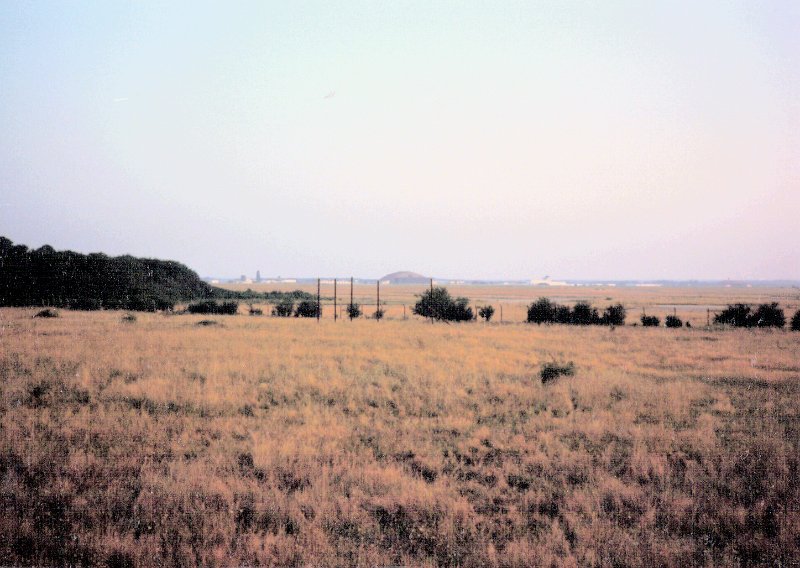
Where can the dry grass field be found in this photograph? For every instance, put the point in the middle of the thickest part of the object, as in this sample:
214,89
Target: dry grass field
287,442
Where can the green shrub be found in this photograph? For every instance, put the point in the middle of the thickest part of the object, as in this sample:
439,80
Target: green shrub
542,311
768,315
545,310
673,321
378,314
552,370
486,312
796,321
650,321
353,311
563,314
212,307
737,315
741,315
307,309
46,313
284,308
439,305
614,315
129,318
584,314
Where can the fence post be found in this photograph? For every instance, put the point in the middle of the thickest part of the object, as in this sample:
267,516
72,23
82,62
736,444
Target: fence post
378,309
501,313
351,298
319,307
335,312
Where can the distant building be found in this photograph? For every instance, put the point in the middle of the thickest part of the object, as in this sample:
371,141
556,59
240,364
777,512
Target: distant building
404,277
258,276
547,282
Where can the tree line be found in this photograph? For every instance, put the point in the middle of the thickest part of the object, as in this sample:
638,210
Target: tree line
67,279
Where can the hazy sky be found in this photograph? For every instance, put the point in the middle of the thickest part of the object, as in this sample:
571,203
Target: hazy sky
497,140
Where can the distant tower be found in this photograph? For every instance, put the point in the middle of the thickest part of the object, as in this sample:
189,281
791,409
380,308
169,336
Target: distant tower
242,278
258,276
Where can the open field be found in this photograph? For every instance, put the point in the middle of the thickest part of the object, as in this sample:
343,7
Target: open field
290,442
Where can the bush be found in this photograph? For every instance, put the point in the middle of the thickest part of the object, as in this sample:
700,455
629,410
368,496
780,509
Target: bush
205,323
353,311
563,314
741,315
486,312
46,313
673,321
144,303
614,315
650,321
378,314
796,321
551,371
212,307
768,315
129,318
584,314
439,305
543,311
307,309
284,308
256,312
737,315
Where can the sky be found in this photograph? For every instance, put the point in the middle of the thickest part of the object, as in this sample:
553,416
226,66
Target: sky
497,140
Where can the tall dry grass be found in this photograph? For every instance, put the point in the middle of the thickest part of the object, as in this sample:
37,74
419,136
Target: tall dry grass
287,442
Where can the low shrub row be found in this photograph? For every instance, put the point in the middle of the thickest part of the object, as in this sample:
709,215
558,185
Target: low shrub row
743,315
212,307
545,310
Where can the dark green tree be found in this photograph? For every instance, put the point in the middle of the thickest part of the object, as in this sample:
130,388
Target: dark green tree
768,315
439,305
542,311
486,312
353,310
614,315
650,321
584,314
737,315
284,308
306,309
